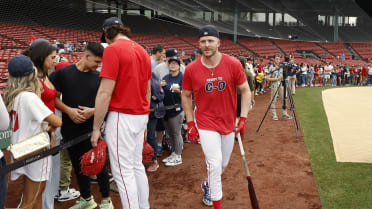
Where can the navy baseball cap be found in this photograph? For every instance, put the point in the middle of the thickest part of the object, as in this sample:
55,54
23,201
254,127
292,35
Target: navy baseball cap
20,65
209,30
108,22
175,58
171,52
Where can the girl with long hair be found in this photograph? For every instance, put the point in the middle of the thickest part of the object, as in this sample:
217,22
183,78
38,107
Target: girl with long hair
29,117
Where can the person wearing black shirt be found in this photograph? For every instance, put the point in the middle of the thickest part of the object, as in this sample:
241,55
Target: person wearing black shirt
78,85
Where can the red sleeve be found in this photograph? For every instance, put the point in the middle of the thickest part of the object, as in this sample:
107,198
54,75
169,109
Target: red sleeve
149,67
110,64
239,75
186,82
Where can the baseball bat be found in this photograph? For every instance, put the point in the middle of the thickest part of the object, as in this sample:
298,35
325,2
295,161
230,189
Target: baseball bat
252,193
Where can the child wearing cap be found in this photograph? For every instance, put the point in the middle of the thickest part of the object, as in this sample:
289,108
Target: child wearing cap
29,116
171,84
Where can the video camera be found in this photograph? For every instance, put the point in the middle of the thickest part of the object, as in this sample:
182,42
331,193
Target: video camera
285,65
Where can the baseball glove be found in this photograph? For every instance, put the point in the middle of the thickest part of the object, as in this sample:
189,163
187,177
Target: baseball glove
147,153
92,162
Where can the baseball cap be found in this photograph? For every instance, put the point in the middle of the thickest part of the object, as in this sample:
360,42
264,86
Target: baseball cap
171,52
37,41
108,22
175,58
209,30
20,65
62,64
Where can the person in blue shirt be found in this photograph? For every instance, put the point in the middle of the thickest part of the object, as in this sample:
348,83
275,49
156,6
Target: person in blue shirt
172,86
157,56
292,69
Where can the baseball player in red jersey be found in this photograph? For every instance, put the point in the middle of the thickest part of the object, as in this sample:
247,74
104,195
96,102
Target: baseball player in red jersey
125,93
214,79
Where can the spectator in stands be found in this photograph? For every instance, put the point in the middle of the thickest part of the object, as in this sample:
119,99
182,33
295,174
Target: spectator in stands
369,75
321,75
292,75
334,76
4,124
261,69
173,120
364,74
299,75
316,75
327,74
347,75
342,75
250,66
260,76
157,56
311,75
29,116
304,75
338,72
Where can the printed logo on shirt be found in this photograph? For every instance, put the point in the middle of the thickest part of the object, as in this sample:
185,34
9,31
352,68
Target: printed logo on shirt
210,85
14,117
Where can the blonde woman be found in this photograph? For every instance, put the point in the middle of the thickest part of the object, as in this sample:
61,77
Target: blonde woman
29,117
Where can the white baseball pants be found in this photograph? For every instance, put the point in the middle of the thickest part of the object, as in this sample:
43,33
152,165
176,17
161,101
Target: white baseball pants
217,150
124,138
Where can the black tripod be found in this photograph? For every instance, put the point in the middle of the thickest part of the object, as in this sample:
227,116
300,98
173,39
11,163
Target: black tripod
286,93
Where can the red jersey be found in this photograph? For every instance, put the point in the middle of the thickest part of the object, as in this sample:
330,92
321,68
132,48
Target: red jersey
215,96
353,71
129,65
364,71
261,68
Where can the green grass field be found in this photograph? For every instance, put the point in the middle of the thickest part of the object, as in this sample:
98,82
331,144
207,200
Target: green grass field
340,185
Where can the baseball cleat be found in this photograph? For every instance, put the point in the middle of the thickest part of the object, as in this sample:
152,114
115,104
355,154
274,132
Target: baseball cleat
206,193
287,117
275,117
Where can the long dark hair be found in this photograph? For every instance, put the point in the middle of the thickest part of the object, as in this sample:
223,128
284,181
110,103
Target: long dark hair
39,53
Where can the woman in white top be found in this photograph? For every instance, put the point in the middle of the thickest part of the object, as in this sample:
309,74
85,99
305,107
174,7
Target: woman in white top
4,123
29,117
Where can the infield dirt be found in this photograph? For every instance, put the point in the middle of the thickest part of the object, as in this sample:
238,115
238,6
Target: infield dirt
278,162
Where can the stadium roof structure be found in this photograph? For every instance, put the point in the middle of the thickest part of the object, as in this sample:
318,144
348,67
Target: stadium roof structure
309,20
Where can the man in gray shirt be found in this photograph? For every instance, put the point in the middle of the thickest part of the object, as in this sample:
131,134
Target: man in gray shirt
162,69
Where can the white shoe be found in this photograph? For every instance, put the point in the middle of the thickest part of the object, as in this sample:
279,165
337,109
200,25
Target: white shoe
275,117
66,195
169,157
176,160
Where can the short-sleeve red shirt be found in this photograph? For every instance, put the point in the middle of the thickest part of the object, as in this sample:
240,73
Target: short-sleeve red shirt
364,71
129,65
215,96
